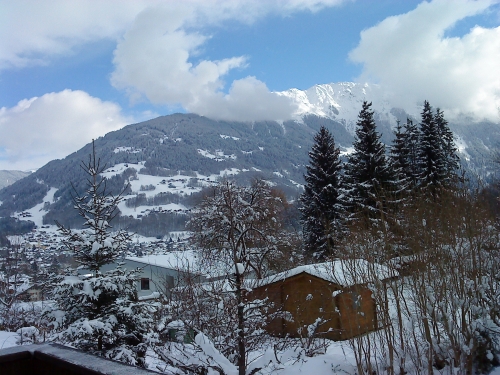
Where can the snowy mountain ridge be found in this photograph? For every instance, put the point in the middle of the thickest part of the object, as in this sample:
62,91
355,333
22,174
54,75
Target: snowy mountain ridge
171,158
342,102
9,177
476,140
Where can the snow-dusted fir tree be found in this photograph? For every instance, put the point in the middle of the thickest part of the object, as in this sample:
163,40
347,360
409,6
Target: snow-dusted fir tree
404,156
438,159
95,310
368,175
398,158
411,141
431,158
448,149
322,209
240,227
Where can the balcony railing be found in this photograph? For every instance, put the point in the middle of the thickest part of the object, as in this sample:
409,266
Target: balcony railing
49,359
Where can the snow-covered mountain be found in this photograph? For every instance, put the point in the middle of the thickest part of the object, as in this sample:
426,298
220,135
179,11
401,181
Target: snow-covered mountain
477,141
342,102
166,161
9,177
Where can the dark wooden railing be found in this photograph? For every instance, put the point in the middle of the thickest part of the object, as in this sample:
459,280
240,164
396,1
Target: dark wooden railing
49,359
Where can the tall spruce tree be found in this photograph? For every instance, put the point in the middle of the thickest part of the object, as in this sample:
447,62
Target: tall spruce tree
100,311
404,156
448,149
431,158
411,140
398,158
369,177
323,211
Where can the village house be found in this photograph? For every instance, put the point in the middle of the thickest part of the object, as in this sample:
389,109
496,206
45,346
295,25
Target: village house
160,273
331,300
35,293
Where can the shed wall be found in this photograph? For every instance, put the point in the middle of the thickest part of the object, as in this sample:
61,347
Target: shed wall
306,298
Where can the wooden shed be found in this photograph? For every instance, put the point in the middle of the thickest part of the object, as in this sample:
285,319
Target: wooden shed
331,299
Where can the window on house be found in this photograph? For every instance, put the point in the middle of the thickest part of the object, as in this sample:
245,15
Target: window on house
144,284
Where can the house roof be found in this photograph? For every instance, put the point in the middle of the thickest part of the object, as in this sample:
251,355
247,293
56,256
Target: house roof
177,260
191,261
342,272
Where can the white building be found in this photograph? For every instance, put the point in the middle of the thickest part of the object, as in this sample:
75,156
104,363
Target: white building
161,273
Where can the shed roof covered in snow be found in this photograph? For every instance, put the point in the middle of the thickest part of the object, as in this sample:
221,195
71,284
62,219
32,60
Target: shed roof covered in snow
342,272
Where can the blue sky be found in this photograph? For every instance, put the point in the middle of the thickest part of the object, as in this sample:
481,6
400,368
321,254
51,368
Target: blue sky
74,70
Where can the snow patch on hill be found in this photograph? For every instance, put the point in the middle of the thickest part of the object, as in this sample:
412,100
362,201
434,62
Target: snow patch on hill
300,186
150,186
229,137
140,211
130,150
218,156
120,168
462,146
36,213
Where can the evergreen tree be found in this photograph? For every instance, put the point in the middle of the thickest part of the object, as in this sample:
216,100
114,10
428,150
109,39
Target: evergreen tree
448,149
322,211
412,139
431,159
368,175
398,158
100,312
404,156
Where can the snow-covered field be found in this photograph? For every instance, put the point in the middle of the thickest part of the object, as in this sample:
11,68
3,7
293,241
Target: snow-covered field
149,186
338,358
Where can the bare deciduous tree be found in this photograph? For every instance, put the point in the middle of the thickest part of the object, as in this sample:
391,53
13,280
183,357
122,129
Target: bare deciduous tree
239,227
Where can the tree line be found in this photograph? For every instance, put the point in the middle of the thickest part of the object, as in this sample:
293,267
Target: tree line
372,185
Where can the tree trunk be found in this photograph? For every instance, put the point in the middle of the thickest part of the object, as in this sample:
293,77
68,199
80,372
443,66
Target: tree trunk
241,326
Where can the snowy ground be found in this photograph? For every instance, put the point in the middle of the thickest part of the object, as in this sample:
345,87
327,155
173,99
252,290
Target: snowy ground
8,339
337,358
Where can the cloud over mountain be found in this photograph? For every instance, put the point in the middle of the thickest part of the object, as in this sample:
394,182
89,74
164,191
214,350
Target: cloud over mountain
411,56
157,43
154,60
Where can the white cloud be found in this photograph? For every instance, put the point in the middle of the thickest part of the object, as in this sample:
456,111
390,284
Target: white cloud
248,100
33,32
410,55
52,126
158,41
154,60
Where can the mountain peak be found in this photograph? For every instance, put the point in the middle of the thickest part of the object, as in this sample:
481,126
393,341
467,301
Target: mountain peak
340,102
